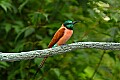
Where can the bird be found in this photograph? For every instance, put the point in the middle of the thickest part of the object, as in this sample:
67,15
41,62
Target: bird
62,35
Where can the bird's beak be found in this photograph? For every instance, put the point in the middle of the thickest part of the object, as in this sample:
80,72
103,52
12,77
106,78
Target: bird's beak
74,22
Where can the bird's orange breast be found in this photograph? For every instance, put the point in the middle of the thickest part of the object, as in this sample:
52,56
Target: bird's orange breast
67,34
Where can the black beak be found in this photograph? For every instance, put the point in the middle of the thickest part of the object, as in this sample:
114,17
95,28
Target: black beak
74,22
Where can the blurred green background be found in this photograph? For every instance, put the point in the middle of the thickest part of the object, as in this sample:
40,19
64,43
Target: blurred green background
27,25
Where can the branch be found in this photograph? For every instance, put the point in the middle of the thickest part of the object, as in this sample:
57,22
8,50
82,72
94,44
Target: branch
58,50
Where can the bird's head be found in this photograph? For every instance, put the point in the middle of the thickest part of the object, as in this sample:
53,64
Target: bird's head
69,24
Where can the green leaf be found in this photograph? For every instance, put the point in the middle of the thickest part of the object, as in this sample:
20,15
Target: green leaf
20,33
22,5
38,36
89,71
6,5
8,27
4,65
36,17
29,31
19,46
56,71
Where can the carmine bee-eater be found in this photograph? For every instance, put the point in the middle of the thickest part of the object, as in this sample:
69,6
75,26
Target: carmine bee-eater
61,36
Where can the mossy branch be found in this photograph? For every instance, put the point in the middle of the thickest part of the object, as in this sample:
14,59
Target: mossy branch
58,50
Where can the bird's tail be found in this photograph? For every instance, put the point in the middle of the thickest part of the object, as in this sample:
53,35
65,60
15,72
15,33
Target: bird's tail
41,65
43,61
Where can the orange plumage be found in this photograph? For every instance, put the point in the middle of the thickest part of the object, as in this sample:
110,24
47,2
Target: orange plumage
61,36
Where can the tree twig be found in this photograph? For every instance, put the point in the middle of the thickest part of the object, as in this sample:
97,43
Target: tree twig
96,69
58,50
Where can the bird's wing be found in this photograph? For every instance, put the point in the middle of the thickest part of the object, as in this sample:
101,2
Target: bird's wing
56,37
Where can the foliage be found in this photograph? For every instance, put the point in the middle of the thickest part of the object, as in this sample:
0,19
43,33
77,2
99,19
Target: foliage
30,24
